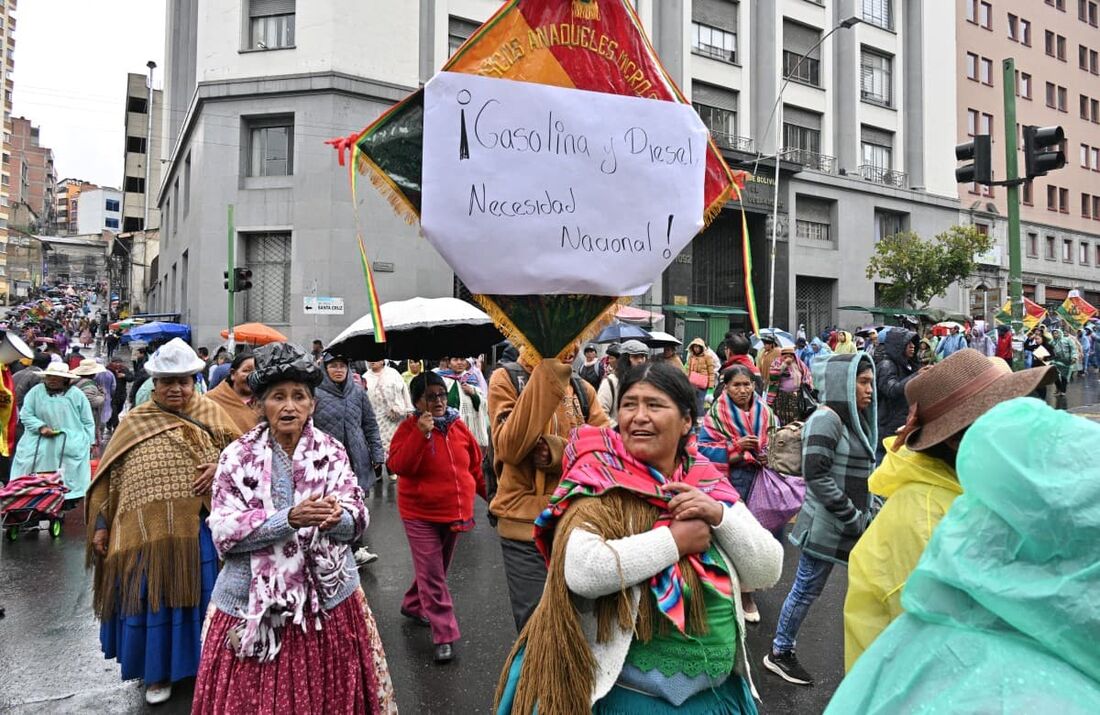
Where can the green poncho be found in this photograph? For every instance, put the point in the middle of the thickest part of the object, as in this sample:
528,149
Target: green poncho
1001,613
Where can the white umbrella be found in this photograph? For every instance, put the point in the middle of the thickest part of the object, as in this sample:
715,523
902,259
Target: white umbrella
781,337
659,338
420,327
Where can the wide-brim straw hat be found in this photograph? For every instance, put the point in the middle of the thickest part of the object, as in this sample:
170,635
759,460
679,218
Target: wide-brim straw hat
174,359
952,394
59,369
88,367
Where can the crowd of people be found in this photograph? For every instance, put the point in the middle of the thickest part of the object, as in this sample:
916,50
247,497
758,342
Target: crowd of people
641,497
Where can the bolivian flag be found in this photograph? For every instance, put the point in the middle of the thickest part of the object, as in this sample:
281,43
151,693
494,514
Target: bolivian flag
1076,312
1033,314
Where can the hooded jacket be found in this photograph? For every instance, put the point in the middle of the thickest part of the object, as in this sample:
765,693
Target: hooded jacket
892,374
701,363
1000,612
838,453
918,489
344,412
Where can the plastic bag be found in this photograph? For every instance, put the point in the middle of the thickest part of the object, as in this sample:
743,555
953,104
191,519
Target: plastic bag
774,498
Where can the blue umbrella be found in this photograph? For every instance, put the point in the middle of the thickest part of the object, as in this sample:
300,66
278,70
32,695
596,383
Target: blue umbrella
618,332
157,330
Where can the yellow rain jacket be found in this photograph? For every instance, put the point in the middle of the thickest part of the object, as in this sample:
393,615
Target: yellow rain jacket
919,490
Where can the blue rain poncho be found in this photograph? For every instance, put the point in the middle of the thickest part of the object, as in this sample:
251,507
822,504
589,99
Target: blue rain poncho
1002,614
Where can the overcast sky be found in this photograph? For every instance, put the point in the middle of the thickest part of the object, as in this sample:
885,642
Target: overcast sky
71,60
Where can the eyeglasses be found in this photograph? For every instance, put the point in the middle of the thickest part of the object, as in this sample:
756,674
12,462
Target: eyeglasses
436,397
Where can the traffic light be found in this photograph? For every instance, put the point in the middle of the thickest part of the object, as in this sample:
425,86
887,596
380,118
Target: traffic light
243,278
1043,150
225,275
980,151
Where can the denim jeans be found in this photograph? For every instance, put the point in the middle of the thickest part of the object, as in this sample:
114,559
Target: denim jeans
809,582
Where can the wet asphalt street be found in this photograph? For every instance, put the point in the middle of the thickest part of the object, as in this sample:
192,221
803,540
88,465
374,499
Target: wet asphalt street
50,660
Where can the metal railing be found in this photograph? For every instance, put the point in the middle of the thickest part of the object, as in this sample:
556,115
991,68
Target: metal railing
882,175
718,53
725,140
811,160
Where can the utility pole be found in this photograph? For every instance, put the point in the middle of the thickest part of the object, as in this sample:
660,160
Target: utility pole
231,277
1015,274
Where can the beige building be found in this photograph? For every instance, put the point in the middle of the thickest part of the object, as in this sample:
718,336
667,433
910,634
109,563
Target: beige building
143,153
7,65
1056,47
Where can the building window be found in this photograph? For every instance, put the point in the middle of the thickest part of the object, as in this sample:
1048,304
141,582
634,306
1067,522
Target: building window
1013,28
1061,48
1096,158
458,31
1052,198
879,13
1052,95
1050,248
270,146
875,81
1063,200
1084,106
134,185
270,24
187,184
972,66
987,71
112,223
175,206
135,145
1086,205
972,122
876,149
889,223
1096,208
801,55
1067,250
111,205
717,108
1023,85
985,15
1085,155
1082,57
714,43
1094,110
268,255
801,138
1048,43
813,231
137,105
1033,245
1083,253
1026,194
1025,32
1094,62
1063,99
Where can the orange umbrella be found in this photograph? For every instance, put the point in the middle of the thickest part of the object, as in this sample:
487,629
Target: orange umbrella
255,334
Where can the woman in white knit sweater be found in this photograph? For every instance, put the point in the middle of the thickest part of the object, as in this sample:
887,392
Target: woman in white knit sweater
647,548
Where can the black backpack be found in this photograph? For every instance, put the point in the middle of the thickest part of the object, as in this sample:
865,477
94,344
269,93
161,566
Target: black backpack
518,375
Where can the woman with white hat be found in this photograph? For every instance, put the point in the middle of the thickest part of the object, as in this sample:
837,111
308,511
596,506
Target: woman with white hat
154,557
58,430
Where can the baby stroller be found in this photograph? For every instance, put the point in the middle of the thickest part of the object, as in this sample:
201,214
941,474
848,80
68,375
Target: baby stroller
34,498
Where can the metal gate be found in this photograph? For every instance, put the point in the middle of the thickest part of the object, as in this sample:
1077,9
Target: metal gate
814,300
268,255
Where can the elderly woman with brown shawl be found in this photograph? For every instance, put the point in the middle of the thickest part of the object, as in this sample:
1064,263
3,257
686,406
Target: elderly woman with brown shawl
235,396
647,546
154,558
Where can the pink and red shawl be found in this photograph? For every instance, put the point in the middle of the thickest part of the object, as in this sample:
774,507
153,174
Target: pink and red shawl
595,462
726,424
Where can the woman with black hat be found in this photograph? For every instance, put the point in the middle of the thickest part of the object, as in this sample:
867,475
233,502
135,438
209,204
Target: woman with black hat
291,625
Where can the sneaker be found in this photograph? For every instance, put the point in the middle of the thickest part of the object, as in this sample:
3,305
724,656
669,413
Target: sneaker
364,557
786,666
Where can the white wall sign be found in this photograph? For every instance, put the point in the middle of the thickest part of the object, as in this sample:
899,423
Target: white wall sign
531,189
323,305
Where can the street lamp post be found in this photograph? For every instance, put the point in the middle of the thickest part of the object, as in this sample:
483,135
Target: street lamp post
776,114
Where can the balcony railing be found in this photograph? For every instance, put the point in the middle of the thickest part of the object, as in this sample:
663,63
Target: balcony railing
812,160
725,140
882,175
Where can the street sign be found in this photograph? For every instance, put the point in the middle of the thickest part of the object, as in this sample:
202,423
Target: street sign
323,305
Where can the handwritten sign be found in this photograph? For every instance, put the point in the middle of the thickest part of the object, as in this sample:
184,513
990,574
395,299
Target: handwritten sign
534,189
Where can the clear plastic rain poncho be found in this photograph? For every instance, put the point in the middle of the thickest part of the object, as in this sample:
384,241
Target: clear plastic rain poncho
1003,609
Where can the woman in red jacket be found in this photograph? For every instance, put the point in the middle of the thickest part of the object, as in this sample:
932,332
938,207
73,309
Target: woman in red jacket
1004,343
439,464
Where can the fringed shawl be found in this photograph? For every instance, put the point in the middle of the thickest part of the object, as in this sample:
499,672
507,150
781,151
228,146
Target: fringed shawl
607,492
726,425
143,491
291,580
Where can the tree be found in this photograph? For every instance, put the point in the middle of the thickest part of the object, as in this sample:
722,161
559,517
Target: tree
918,270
